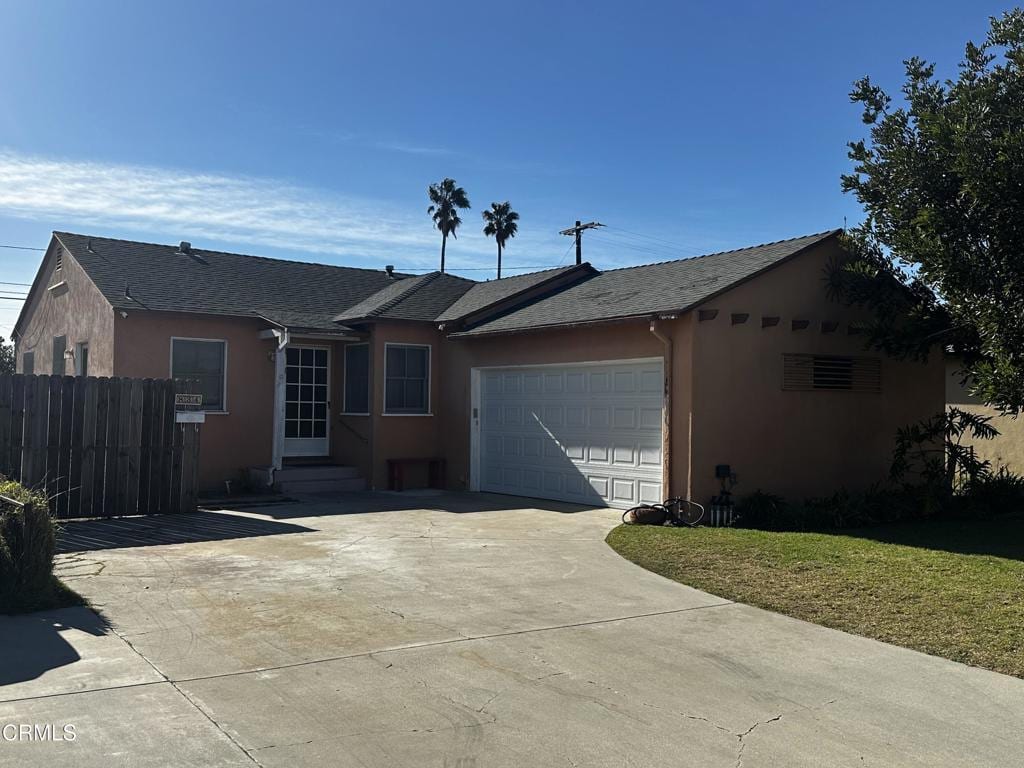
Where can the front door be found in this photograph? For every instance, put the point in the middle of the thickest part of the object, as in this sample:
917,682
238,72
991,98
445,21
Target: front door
307,404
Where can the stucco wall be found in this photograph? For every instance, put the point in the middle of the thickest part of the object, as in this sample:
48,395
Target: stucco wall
1006,450
795,443
80,313
350,435
616,341
403,436
230,441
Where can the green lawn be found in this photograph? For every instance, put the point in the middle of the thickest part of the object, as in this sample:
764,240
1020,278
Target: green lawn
950,588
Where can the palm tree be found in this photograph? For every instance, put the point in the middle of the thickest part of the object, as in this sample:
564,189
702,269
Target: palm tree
445,201
501,225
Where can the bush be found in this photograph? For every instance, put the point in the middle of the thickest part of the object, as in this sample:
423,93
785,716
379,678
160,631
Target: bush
27,544
991,495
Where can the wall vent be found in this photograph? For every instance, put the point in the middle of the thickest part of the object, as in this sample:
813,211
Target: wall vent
839,373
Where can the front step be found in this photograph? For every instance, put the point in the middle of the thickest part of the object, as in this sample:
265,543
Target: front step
288,474
342,485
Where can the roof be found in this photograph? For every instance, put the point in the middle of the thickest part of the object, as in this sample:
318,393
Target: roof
160,277
420,298
651,289
482,295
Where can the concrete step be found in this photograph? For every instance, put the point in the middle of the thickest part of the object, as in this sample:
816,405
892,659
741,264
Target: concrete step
289,474
345,485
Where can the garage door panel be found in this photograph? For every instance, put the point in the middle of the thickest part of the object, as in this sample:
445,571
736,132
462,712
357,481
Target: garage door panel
585,433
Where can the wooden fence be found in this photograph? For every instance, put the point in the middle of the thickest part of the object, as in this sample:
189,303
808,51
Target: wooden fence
99,447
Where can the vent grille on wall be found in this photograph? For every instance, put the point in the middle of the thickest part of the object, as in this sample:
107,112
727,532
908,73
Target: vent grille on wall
831,372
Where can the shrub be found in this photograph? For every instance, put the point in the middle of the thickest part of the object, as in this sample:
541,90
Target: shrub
27,544
991,495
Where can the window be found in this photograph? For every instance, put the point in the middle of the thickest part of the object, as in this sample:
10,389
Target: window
28,363
406,379
831,372
60,345
357,378
200,364
82,358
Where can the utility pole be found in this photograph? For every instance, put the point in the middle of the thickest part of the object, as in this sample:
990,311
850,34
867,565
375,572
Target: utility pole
578,232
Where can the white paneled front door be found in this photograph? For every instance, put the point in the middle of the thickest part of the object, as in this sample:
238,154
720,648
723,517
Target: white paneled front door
307,404
589,433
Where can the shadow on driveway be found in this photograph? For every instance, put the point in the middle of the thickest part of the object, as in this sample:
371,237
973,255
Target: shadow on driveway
119,532
33,644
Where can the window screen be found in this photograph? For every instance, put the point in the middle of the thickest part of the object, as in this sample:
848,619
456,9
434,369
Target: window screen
831,372
407,371
60,344
357,378
198,366
28,363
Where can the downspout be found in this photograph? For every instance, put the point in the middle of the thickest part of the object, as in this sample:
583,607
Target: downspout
666,413
277,451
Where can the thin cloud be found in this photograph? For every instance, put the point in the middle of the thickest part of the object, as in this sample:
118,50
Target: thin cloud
412,149
236,209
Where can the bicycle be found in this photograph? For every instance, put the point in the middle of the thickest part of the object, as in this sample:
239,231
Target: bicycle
675,511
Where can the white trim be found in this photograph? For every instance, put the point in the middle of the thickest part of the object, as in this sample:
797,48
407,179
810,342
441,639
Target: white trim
79,346
344,380
430,372
474,429
277,447
274,333
327,432
224,394
627,361
475,394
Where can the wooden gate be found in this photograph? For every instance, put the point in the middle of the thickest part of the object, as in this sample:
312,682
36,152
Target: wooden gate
98,447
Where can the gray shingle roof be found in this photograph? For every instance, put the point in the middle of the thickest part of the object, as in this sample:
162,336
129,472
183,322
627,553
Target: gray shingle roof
667,287
213,282
484,294
415,298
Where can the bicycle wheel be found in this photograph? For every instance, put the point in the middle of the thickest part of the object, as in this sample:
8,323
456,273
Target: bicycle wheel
685,512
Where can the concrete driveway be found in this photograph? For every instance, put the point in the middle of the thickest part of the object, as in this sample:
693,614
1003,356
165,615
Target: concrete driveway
454,630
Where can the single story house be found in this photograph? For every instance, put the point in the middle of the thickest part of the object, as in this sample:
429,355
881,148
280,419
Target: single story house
596,386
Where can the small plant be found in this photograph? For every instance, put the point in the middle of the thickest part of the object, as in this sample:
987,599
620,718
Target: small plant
930,453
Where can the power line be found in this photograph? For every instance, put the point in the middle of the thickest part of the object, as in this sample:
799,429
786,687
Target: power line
672,243
27,285
474,269
22,248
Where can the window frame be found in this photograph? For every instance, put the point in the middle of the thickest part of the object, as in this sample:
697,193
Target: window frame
427,404
63,356
224,389
81,356
344,384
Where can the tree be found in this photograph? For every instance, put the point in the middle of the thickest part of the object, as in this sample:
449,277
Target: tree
6,357
446,199
500,223
939,257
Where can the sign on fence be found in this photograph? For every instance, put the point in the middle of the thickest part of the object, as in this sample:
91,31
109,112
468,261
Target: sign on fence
99,447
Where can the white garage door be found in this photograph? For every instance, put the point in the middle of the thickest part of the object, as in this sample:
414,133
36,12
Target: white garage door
583,433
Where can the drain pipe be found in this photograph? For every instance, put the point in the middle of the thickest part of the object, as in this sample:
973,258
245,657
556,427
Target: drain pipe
666,411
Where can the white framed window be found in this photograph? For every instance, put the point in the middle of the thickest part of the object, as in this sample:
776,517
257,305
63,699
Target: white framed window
58,363
356,396
201,364
82,358
406,380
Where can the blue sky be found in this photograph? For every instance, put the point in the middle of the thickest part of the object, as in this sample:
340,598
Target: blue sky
311,130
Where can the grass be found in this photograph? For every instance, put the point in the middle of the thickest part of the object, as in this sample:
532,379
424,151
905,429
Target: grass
948,588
